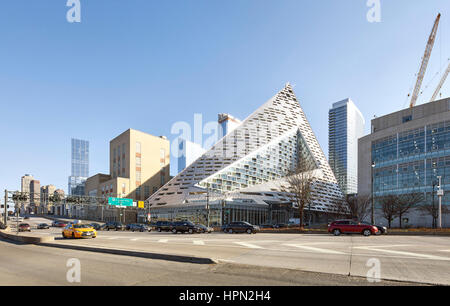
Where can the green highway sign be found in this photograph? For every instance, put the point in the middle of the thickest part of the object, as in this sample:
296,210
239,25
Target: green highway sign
120,202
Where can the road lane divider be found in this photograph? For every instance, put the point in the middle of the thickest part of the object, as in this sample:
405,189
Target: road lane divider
249,245
314,249
411,254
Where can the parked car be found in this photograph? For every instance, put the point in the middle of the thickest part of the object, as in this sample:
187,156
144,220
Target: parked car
79,231
26,217
96,226
118,226
200,228
351,227
137,227
240,227
382,230
280,225
43,226
266,226
24,227
165,226
183,227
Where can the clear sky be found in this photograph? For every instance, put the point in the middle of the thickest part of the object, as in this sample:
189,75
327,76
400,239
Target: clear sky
146,64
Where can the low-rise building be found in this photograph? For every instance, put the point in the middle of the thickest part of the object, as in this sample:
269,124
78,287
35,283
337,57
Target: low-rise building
405,153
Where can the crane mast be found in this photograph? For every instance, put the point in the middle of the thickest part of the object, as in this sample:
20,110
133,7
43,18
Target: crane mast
441,83
426,58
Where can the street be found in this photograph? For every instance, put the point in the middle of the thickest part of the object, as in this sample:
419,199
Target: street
421,259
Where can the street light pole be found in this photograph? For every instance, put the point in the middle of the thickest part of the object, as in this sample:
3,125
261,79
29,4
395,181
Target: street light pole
440,193
433,210
373,200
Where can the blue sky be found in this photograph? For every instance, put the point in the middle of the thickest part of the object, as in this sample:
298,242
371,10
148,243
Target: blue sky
146,64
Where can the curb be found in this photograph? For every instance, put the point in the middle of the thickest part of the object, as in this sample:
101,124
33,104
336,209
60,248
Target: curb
159,256
26,239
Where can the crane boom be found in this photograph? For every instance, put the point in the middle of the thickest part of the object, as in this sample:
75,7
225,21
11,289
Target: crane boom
441,83
426,58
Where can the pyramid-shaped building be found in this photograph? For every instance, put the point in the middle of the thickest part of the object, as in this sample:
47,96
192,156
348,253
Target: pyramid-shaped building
242,177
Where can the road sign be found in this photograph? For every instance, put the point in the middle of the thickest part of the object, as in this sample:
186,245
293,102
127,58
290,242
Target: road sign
440,192
120,202
140,204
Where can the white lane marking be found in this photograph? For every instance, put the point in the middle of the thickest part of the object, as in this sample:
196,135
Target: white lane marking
199,242
249,245
444,250
163,240
112,238
309,248
427,256
134,239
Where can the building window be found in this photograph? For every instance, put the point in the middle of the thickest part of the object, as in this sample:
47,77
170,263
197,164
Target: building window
138,147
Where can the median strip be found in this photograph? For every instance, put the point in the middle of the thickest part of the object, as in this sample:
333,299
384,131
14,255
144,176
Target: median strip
159,256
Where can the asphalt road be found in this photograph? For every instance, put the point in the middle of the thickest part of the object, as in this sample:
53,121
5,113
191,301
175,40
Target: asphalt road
421,259
38,265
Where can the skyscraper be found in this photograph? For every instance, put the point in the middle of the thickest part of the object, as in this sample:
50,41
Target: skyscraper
345,126
227,124
80,166
188,152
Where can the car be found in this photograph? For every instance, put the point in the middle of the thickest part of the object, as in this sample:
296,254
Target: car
43,226
351,227
118,226
79,231
15,219
200,228
183,227
382,230
137,227
240,227
266,226
24,227
165,226
280,225
59,224
2,226
96,226
26,217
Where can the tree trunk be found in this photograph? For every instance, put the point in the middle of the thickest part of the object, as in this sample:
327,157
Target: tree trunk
400,220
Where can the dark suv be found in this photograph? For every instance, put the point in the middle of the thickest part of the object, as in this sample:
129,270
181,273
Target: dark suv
240,227
161,226
138,227
118,226
183,227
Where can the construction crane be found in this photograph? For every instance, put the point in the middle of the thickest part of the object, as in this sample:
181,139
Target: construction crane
441,83
426,58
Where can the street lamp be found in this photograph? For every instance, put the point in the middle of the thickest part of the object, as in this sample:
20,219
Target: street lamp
373,200
433,210
440,193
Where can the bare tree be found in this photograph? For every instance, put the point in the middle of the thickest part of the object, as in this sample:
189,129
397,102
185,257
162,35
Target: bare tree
359,206
300,185
429,209
389,207
406,202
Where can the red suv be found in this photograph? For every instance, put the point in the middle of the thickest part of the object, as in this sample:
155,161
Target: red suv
351,227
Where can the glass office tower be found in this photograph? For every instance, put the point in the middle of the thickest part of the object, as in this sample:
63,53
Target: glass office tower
345,126
79,166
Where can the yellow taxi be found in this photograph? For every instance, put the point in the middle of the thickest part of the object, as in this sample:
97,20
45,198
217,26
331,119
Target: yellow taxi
77,230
